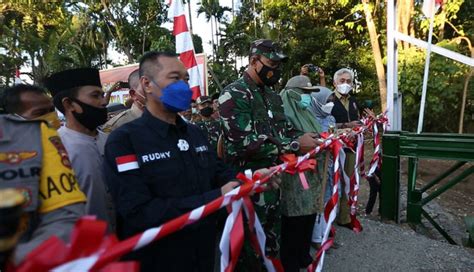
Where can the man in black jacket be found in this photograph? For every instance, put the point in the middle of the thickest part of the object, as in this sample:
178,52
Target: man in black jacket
346,113
345,108
159,167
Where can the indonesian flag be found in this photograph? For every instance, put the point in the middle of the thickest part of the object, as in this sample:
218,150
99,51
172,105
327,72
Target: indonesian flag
17,77
127,163
184,46
430,7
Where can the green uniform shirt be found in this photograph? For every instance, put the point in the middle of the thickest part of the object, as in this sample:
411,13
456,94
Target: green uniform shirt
256,132
213,129
255,127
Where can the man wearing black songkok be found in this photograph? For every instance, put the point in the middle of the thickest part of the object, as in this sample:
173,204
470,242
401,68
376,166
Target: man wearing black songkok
78,94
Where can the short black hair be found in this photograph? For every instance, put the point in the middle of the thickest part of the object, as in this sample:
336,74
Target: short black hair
151,58
58,99
11,96
133,75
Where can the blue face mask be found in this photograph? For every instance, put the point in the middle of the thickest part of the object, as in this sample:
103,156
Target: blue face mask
176,97
305,101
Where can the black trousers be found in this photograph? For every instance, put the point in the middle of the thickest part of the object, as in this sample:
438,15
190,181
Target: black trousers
191,249
374,190
296,232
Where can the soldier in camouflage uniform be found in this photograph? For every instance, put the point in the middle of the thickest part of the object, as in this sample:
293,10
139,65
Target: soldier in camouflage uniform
257,132
209,125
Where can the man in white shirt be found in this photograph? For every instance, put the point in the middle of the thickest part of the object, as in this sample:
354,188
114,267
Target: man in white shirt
78,94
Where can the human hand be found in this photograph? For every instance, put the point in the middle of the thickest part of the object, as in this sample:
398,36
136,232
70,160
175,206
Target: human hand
273,183
114,87
308,142
353,124
321,72
229,186
369,112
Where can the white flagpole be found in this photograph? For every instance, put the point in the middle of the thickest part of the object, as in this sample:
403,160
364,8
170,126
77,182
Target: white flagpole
427,66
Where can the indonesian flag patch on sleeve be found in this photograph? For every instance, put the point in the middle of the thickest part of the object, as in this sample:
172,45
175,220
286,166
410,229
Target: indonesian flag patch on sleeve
127,163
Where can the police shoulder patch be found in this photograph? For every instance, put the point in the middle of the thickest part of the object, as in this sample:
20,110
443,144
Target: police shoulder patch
58,144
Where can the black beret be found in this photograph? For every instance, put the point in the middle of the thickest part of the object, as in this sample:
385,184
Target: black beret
73,78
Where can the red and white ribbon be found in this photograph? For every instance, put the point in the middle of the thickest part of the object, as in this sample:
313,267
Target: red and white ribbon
377,150
355,182
330,210
184,46
232,237
110,250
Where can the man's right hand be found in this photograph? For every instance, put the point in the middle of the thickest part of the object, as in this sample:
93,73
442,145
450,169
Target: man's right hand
353,124
308,142
229,186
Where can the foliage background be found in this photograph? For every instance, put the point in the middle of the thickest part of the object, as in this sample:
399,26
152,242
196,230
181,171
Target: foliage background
330,34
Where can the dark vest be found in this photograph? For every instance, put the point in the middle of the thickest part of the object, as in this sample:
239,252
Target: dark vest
342,115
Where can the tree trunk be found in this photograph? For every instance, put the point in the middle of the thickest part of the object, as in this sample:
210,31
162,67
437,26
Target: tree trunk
33,67
105,45
217,33
233,10
144,35
119,36
466,88
212,38
377,54
464,98
405,10
442,18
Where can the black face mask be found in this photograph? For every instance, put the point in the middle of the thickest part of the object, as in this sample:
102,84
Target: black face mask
269,76
207,111
91,117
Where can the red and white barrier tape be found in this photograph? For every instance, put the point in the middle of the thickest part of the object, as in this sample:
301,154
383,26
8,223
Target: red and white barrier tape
97,260
330,210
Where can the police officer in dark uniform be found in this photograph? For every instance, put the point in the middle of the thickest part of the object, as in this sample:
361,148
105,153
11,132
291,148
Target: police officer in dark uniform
159,167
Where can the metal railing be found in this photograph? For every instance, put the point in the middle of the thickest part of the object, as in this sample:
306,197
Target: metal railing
437,146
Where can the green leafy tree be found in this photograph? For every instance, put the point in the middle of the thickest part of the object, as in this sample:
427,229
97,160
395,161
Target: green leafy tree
134,25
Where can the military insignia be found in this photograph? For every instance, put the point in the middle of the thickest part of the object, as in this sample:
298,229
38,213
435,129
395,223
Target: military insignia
183,145
56,141
16,157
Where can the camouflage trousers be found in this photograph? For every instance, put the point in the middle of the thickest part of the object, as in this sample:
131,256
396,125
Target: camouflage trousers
267,207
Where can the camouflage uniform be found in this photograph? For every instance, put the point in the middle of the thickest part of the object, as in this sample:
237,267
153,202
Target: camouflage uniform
256,133
213,128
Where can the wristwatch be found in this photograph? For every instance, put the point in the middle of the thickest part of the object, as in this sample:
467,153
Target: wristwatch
295,146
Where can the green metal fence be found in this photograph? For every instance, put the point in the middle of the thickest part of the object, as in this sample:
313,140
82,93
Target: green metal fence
458,148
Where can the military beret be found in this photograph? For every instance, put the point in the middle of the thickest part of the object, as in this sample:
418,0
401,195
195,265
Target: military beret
268,49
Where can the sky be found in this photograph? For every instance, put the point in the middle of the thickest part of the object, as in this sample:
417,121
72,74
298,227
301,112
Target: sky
203,28
200,27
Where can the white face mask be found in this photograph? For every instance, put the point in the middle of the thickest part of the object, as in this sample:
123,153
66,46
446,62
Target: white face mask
327,108
344,88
